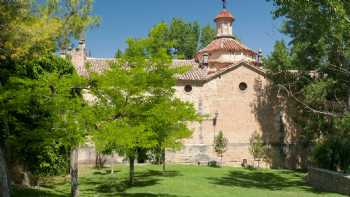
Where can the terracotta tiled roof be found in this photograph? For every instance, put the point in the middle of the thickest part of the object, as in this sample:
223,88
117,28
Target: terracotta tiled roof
224,14
99,65
226,45
204,75
194,74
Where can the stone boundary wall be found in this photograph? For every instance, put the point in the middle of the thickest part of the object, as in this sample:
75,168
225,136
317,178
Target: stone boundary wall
87,155
329,181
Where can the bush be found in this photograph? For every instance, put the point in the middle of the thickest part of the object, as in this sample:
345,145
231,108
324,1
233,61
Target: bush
333,153
257,147
213,163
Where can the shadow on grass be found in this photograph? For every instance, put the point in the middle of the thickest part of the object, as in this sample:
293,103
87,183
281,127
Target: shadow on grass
27,192
147,195
142,179
106,172
262,180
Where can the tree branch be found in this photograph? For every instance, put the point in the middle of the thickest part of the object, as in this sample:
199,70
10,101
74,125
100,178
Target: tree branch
306,106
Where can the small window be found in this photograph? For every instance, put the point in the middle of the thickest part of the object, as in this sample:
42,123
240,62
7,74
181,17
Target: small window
188,88
243,86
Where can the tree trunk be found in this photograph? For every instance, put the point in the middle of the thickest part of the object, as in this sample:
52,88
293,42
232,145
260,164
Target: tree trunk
221,160
349,101
74,172
163,159
112,169
131,170
159,156
5,185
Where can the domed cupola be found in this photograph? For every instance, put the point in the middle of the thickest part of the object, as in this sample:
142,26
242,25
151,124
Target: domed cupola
225,49
224,21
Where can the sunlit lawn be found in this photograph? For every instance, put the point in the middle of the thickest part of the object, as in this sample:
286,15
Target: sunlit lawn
180,181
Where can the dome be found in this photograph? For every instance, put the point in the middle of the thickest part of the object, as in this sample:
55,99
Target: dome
225,45
224,14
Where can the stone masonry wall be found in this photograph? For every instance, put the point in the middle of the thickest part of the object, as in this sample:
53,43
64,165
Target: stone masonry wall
326,180
238,116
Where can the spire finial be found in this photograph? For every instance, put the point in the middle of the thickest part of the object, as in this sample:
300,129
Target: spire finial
224,4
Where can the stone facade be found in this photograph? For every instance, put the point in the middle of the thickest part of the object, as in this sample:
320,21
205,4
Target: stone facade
236,110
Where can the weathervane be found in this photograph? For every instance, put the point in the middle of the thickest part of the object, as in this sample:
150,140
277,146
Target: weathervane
224,4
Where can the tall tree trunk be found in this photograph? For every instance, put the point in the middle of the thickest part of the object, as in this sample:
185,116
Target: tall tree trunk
74,172
131,170
5,185
163,159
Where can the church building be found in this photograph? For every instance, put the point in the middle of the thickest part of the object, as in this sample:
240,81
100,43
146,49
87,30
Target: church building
227,84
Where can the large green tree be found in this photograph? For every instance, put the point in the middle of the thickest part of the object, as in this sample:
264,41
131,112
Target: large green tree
130,95
31,30
320,90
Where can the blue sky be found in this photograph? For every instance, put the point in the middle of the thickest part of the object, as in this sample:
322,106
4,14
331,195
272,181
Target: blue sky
121,19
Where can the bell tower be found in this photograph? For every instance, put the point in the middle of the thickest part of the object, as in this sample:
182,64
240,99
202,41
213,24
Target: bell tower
224,21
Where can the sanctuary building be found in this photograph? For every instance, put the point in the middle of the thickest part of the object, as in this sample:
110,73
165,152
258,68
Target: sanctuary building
228,84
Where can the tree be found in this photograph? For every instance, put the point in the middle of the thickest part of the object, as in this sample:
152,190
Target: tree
30,30
220,145
124,94
185,37
257,147
133,91
169,118
118,54
48,113
280,58
180,38
320,91
207,35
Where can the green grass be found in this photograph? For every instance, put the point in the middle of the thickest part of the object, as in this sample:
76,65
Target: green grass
180,181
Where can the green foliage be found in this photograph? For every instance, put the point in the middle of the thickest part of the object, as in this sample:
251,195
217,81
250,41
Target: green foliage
208,34
136,101
118,54
41,104
185,37
220,144
41,114
320,90
333,153
123,97
280,58
257,147
179,38
32,28
169,119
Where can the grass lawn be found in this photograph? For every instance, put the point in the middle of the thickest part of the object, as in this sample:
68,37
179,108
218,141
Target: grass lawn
180,181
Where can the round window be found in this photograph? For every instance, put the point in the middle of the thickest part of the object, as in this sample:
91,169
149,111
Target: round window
243,86
188,88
